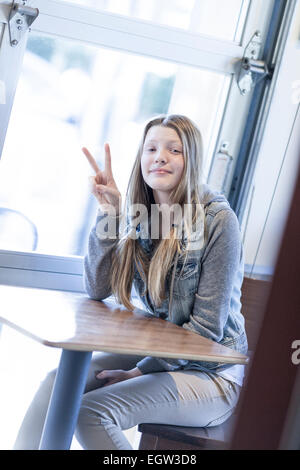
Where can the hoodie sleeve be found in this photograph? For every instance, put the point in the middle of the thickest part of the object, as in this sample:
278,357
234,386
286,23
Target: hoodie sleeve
221,261
150,365
220,264
97,262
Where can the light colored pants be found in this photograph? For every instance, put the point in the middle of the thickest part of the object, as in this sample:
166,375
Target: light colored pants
183,398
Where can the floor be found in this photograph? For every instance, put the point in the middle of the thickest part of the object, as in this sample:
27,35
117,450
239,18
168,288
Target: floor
23,364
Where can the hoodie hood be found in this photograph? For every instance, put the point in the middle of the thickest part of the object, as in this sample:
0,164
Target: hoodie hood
210,196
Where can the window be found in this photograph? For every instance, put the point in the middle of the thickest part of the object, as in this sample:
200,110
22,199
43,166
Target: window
72,95
222,19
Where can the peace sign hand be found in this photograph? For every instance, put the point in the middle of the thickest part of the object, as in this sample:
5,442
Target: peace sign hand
104,187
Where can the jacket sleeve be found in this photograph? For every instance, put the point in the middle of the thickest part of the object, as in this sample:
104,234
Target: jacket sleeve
97,261
219,266
221,261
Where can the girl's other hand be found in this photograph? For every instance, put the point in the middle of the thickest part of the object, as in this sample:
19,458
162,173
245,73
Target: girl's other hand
118,375
104,187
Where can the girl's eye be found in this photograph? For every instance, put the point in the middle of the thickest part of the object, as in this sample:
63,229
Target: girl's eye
153,149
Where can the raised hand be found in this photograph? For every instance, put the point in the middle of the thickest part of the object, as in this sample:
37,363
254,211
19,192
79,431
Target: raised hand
104,187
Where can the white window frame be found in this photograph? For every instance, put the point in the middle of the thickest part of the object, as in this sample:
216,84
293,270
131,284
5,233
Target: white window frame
132,35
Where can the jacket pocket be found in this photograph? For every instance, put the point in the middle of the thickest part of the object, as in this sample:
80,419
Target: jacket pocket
186,279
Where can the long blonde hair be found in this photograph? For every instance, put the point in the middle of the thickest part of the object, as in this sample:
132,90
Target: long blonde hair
128,252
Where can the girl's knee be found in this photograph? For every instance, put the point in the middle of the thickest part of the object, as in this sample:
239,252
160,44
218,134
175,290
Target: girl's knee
97,407
86,414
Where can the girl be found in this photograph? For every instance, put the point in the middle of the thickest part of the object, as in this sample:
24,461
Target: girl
191,277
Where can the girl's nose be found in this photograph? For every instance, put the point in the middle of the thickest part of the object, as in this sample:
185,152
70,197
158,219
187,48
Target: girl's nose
160,156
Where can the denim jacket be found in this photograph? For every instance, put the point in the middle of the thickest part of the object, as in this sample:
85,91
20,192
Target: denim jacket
202,294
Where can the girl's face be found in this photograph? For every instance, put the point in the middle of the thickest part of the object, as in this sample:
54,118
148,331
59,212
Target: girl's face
162,151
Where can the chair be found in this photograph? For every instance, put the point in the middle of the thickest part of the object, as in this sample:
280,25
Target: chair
168,437
17,231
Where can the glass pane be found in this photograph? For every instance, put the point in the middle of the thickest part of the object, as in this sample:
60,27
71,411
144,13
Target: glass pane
219,18
72,95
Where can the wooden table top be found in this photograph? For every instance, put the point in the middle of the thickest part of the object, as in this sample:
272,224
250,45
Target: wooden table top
73,321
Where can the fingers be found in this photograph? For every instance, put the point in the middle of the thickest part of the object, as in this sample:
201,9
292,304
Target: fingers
108,169
106,190
91,160
104,374
115,374
110,376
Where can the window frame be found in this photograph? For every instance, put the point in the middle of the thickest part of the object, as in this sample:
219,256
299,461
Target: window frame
30,269
242,180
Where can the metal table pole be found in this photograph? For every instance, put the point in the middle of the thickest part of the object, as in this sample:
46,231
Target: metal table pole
65,400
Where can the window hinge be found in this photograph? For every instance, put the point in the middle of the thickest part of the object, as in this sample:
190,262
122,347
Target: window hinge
219,172
250,67
21,18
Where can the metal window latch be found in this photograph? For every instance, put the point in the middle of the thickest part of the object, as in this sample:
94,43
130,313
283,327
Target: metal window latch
250,67
21,18
219,172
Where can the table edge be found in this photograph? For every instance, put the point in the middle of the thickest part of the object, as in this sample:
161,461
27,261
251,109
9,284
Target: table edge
73,346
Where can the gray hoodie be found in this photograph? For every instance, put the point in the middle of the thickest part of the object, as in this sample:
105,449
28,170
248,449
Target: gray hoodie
203,294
